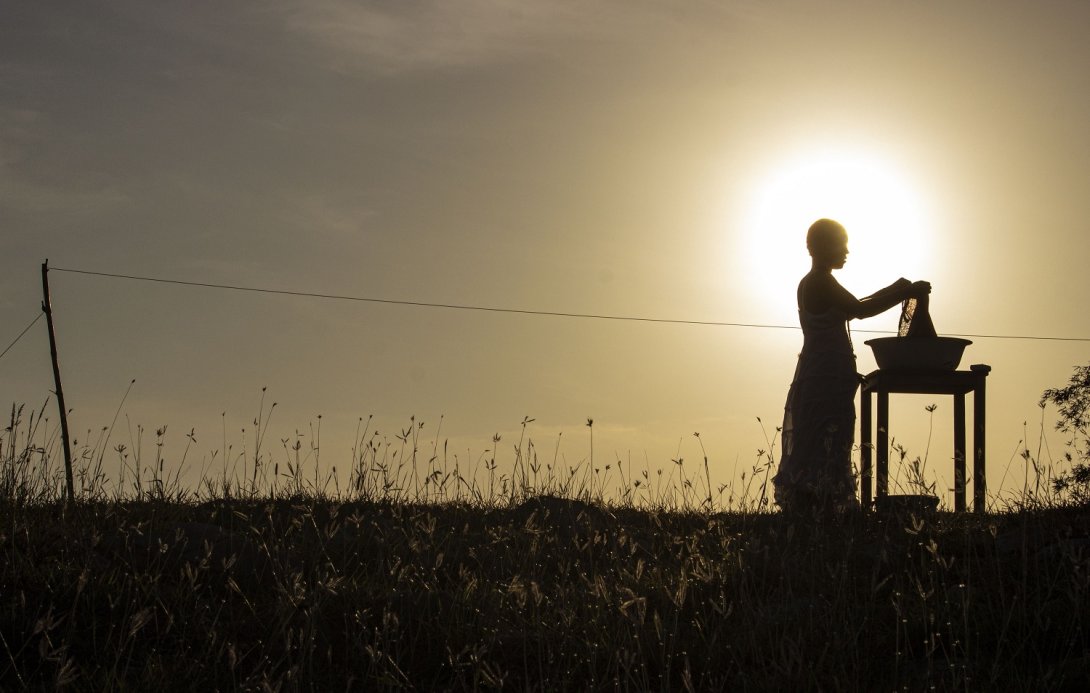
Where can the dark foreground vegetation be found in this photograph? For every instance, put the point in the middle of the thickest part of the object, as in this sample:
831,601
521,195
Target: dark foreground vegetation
262,582
548,594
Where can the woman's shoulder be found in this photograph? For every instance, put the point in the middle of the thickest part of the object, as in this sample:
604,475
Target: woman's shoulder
815,292
817,281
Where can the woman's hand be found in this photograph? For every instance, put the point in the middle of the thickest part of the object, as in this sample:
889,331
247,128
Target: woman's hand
919,289
881,300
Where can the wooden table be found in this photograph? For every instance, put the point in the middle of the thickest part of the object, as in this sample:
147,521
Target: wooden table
956,383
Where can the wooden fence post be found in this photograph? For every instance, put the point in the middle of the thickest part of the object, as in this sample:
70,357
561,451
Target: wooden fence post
48,309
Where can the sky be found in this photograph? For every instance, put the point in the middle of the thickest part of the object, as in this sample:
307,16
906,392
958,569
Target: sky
620,157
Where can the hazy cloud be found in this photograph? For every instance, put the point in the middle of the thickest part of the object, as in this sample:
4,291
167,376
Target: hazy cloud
392,37
21,192
400,36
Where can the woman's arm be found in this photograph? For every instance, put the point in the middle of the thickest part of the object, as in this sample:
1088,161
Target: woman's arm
884,299
878,302
894,289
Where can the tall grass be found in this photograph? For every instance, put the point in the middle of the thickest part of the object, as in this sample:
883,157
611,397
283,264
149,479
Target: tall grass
428,571
412,466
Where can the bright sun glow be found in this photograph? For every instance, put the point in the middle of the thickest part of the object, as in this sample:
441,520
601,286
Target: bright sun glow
889,233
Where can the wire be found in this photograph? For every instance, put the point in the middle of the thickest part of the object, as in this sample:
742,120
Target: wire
25,330
491,309
518,311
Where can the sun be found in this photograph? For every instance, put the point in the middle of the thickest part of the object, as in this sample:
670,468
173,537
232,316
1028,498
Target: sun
889,230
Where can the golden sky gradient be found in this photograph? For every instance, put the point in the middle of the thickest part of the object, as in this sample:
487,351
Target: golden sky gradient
631,157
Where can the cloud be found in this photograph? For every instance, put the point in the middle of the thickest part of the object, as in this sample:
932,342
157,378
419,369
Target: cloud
408,36
338,220
392,37
20,191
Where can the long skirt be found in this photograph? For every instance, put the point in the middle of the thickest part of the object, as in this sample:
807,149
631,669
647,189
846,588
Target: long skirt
817,436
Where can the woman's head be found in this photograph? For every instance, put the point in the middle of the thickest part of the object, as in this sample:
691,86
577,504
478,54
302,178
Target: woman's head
827,242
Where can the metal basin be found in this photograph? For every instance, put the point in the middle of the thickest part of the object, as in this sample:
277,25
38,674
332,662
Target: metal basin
918,353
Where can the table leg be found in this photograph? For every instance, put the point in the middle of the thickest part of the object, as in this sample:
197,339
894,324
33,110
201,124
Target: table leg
882,445
865,447
959,453
979,476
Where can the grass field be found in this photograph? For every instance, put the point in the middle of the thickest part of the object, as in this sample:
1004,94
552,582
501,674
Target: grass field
284,587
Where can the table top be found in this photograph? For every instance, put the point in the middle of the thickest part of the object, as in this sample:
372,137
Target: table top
927,382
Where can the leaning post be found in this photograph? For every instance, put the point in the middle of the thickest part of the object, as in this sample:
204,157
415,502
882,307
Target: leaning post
48,310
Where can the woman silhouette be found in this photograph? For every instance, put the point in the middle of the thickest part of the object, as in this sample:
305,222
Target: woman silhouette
815,474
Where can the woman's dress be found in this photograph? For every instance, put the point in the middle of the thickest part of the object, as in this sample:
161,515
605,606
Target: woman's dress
819,418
